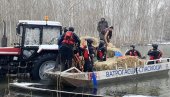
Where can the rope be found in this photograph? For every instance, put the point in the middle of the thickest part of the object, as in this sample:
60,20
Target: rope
8,81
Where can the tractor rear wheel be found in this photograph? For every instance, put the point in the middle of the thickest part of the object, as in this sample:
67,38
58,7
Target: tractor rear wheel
41,64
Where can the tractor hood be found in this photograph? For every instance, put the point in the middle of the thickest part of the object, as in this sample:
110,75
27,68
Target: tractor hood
47,47
9,51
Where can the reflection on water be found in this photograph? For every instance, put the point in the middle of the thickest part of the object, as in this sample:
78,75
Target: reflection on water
155,86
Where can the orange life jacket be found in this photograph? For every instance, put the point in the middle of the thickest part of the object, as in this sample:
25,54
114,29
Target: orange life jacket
68,38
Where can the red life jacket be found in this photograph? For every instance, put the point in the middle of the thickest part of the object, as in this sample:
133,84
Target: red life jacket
85,54
68,38
100,54
151,58
133,53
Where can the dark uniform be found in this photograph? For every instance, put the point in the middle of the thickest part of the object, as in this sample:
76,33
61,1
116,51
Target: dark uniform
67,42
102,25
154,54
133,52
88,55
101,51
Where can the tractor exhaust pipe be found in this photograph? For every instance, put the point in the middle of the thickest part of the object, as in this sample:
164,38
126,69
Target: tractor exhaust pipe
4,37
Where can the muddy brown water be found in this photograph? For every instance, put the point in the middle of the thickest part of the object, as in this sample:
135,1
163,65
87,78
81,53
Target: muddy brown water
157,85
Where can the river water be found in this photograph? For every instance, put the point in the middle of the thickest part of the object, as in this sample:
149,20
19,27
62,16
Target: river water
158,85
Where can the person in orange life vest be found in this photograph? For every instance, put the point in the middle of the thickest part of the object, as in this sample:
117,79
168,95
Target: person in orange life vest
133,52
101,51
67,41
154,53
88,54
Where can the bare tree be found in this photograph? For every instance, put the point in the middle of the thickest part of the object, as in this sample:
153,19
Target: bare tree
134,21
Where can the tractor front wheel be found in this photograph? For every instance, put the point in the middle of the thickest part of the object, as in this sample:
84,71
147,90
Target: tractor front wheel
41,64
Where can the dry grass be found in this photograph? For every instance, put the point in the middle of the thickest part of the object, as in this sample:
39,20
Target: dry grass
120,62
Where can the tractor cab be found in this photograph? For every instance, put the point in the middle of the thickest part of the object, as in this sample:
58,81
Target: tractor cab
37,36
36,50
36,33
34,36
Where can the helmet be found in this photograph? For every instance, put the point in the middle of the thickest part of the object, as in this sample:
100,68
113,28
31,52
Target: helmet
102,19
155,46
132,46
65,29
71,29
90,41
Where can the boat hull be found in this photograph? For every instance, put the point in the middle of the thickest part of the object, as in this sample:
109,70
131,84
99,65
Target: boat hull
84,79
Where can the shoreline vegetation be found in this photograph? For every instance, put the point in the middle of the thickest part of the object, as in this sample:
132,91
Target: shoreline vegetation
134,21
